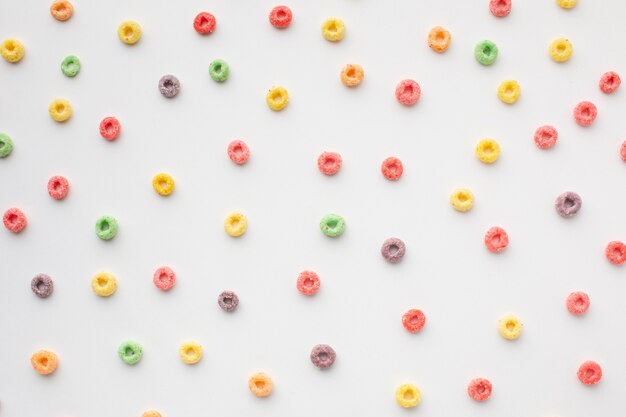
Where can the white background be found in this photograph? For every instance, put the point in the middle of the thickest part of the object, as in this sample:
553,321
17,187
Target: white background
447,272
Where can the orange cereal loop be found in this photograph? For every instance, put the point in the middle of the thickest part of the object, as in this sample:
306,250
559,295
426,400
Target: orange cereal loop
439,39
151,413
352,75
44,362
61,10
260,384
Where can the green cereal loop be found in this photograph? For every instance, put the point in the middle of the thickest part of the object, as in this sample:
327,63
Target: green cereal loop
106,227
70,66
486,52
332,225
130,352
218,70
6,145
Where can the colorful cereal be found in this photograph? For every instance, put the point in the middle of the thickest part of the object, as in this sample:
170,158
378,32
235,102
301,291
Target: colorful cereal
61,10
462,199
333,29
546,136
487,151
260,384
42,285
70,66
408,92
219,70
58,187
567,4
44,362
560,50
204,23
585,113
329,163
12,50
323,356
235,224
496,239
352,75
509,91
622,151
163,184
439,39
169,86
615,252
500,8
104,284
577,303
609,82
308,282
589,373
413,320
14,220
479,389
392,168
60,110
130,352
110,128
568,204
408,395
6,145
510,327
151,413
129,32
486,52
164,278
106,227
277,98
238,152
393,250
228,301
280,17
332,225
190,352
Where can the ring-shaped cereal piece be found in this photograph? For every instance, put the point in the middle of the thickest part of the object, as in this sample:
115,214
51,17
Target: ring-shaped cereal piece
408,395
58,187
235,224
622,151
567,4
496,239
352,75
413,320
70,66
280,17
130,352
392,168
6,145
277,98
486,52
510,327
169,86
190,352
589,373
568,204
129,32
106,227
110,128
487,151
479,389
333,29
329,163
546,136
104,284
14,220
308,282
393,250
61,10
219,70
228,301
12,50
439,39
332,225
238,152
408,92
616,252
509,91
323,356
42,285
164,278
500,8
560,50
609,82
577,303
60,110
204,23
462,199
163,184
260,384
585,113
44,362
151,413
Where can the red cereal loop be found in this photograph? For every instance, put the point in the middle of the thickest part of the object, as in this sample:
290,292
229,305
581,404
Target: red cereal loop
280,17
204,23
609,82
589,373
329,163
308,282
496,239
585,113
500,8
615,252
546,136
14,220
408,92
479,389
413,320
577,303
164,278
58,187
392,168
238,152
622,151
110,128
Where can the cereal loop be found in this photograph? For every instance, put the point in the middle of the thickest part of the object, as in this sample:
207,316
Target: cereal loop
408,395
58,187
219,70
280,17
333,29
577,303
546,136
238,152
500,8
323,356
308,282
408,92
169,86
589,373
622,151
352,75
332,225
44,362
277,98
42,285
6,145
163,184
496,239
164,278
585,113
110,128
104,284
509,91
106,227
393,250
228,301
487,151
510,327
392,168
190,352
486,52
14,220
61,10
12,50
615,252
130,352
462,199
151,413
413,320
567,4
260,384
329,163
235,224
560,50
439,39
609,82
129,32
60,110
70,66
204,23
568,204
479,389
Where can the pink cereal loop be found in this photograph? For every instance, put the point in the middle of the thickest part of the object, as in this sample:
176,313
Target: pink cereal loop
58,187
408,92
164,278
14,220
238,152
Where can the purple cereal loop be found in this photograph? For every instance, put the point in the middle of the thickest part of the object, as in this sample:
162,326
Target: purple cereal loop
393,250
228,301
323,356
568,204
42,285
169,85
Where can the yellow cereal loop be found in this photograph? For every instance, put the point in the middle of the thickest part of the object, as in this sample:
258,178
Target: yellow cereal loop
408,395
163,183
104,284
235,224
487,151
509,91
190,352
567,4
277,98
129,32
333,29
510,327
560,50
12,50
260,384
60,110
462,199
